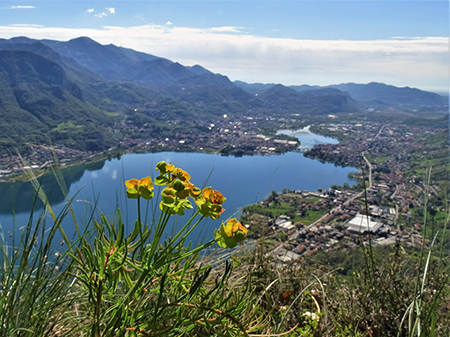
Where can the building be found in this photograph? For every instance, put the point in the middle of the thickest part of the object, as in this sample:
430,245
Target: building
363,223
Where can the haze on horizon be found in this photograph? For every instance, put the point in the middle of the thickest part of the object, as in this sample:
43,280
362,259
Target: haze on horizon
402,43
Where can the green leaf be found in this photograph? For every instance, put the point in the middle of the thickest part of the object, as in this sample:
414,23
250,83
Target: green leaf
161,180
132,193
145,193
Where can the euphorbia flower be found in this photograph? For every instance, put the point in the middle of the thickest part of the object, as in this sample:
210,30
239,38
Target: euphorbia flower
229,235
164,168
169,173
214,196
171,203
185,190
139,188
194,191
209,203
181,174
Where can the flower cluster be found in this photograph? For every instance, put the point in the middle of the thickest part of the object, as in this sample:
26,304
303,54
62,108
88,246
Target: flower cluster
210,203
229,235
174,200
179,188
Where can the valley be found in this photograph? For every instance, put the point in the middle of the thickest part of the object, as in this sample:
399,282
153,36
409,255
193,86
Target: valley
79,101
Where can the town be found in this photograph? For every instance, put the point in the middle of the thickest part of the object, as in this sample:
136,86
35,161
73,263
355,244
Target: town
331,220
385,206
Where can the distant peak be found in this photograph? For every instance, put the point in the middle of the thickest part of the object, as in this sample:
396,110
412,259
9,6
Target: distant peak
83,39
20,39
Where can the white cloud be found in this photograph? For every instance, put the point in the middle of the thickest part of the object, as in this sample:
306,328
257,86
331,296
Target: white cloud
168,23
108,10
22,7
418,62
100,15
25,25
226,29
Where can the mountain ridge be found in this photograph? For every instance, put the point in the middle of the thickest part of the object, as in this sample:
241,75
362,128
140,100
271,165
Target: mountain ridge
370,93
96,87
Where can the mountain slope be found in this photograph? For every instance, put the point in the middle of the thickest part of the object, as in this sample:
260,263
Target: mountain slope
159,71
75,72
324,100
388,94
38,104
214,93
253,88
106,60
371,93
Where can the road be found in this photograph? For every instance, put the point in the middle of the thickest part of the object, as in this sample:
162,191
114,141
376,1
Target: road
381,129
395,192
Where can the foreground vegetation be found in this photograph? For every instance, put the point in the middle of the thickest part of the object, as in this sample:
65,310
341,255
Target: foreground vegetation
112,283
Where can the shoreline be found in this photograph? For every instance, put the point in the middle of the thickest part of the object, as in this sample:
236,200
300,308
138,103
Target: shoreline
27,173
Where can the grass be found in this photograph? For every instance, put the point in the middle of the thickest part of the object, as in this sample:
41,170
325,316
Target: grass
310,217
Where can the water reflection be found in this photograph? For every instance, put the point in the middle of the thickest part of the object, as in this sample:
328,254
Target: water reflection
21,196
307,138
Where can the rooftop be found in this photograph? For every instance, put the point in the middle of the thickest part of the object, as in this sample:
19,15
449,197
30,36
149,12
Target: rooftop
362,223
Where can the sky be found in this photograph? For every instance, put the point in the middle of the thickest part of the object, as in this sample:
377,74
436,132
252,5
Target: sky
402,43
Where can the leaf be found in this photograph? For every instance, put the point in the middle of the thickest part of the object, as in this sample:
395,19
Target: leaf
132,193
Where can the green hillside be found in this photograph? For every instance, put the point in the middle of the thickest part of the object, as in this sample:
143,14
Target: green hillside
40,105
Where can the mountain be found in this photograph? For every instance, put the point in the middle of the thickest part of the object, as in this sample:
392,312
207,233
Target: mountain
305,87
324,100
253,88
76,72
159,71
38,104
214,93
368,94
106,60
388,94
206,91
106,94
199,70
86,95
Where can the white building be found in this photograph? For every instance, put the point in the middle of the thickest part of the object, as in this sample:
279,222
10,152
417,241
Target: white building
363,223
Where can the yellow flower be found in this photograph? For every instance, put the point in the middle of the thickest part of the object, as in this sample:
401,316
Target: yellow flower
171,203
169,173
214,196
139,188
181,174
164,168
194,191
229,235
210,202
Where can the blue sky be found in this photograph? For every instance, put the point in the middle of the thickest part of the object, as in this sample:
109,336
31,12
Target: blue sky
404,43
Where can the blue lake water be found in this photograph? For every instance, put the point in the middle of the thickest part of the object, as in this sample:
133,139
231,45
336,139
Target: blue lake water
100,187
307,138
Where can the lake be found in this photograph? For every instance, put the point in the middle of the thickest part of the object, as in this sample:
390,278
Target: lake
100,186
307,138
